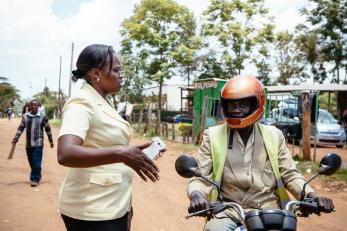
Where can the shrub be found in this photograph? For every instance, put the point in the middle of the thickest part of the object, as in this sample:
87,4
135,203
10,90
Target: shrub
185,127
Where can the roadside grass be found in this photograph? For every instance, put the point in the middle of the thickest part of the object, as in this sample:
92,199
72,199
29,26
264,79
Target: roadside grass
311,167
55,122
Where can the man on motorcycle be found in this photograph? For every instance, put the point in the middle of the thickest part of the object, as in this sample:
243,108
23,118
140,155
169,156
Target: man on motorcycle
248,160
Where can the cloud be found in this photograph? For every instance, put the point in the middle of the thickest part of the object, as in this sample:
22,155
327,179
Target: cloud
33,36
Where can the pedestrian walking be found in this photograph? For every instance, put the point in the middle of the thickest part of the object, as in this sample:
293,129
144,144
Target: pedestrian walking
42,109
26,108
34,122
9,113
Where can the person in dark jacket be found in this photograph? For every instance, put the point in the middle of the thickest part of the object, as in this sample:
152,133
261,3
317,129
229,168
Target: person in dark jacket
34,122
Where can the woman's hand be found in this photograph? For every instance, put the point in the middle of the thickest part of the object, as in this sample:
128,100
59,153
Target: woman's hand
134,158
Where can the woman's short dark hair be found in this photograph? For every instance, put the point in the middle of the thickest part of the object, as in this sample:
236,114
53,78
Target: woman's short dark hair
93,56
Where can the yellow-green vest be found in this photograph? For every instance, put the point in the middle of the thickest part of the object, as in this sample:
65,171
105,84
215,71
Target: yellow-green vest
218,143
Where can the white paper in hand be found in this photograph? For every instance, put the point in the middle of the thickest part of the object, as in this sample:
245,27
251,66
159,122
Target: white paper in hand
156,147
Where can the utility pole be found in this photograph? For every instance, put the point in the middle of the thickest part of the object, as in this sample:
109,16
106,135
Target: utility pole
59,104
72,48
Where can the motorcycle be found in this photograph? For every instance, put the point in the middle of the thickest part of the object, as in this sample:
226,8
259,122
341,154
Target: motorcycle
265,219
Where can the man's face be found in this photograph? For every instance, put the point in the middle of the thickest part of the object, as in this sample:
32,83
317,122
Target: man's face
33,106
239,109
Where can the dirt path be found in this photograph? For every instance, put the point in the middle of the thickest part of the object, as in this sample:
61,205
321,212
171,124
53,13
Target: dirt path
158,207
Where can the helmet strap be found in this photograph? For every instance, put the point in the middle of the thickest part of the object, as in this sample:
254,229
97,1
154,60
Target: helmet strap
231,136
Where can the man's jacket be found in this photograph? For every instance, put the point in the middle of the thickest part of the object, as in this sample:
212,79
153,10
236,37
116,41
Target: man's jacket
258,188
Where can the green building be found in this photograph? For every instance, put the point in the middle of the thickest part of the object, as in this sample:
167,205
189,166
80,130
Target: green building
210,88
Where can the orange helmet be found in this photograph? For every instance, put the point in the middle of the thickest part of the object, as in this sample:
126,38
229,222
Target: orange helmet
243,88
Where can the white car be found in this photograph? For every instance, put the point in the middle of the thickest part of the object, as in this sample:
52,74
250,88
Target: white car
329,132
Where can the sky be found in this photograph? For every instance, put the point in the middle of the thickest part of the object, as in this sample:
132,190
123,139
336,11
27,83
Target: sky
35,34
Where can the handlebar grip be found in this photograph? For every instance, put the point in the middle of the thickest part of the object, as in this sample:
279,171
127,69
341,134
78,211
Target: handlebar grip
308,207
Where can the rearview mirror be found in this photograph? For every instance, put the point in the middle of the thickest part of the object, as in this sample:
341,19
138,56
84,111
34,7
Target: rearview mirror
186,166
329,164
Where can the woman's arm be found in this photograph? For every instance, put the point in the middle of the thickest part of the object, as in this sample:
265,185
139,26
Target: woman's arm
71,153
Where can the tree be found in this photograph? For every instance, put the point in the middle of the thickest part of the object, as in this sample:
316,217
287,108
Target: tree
185,56
328,20
8,94
241,27
288,62
158,28
133,67
210,66
50,101
262,64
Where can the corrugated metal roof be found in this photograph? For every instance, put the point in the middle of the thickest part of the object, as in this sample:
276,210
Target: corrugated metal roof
307,87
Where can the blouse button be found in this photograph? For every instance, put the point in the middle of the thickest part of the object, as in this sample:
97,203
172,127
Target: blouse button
107,181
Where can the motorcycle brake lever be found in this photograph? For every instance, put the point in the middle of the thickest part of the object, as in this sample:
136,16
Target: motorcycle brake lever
198,213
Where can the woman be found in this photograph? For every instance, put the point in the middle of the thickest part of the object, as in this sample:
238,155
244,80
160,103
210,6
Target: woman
94,143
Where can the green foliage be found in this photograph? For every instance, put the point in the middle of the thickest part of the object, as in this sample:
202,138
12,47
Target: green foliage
49,99
324,103
160,31
186,56
242,28
304,165
8,94
210,67
185,127
134,82
342,173
288,62
55,122
327,19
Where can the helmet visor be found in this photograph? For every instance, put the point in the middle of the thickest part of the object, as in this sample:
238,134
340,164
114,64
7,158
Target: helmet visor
239,108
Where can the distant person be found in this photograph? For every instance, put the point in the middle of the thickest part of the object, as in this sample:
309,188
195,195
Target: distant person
26,108
41,109
34,122
122,107
344,122
9,113
94,142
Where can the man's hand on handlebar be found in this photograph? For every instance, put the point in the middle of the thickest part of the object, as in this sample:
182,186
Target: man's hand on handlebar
198,202
325,204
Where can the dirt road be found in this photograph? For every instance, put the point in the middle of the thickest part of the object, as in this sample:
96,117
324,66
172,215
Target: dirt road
157,206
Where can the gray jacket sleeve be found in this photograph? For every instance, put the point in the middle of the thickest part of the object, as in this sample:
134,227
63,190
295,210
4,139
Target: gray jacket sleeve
205,165
292,178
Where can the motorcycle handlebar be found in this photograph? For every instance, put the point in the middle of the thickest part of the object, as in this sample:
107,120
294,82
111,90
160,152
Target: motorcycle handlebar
306,207
217,207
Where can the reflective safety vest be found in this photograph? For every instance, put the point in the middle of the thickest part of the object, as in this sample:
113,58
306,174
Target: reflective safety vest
219,144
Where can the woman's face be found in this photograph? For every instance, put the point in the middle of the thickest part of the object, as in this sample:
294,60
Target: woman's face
111,82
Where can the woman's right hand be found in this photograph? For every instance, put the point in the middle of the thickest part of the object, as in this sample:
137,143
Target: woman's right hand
139,162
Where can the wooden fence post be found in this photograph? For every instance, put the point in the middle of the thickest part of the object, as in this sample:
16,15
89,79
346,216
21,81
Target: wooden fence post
149,119
306,125
203,121
173,131
140,119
